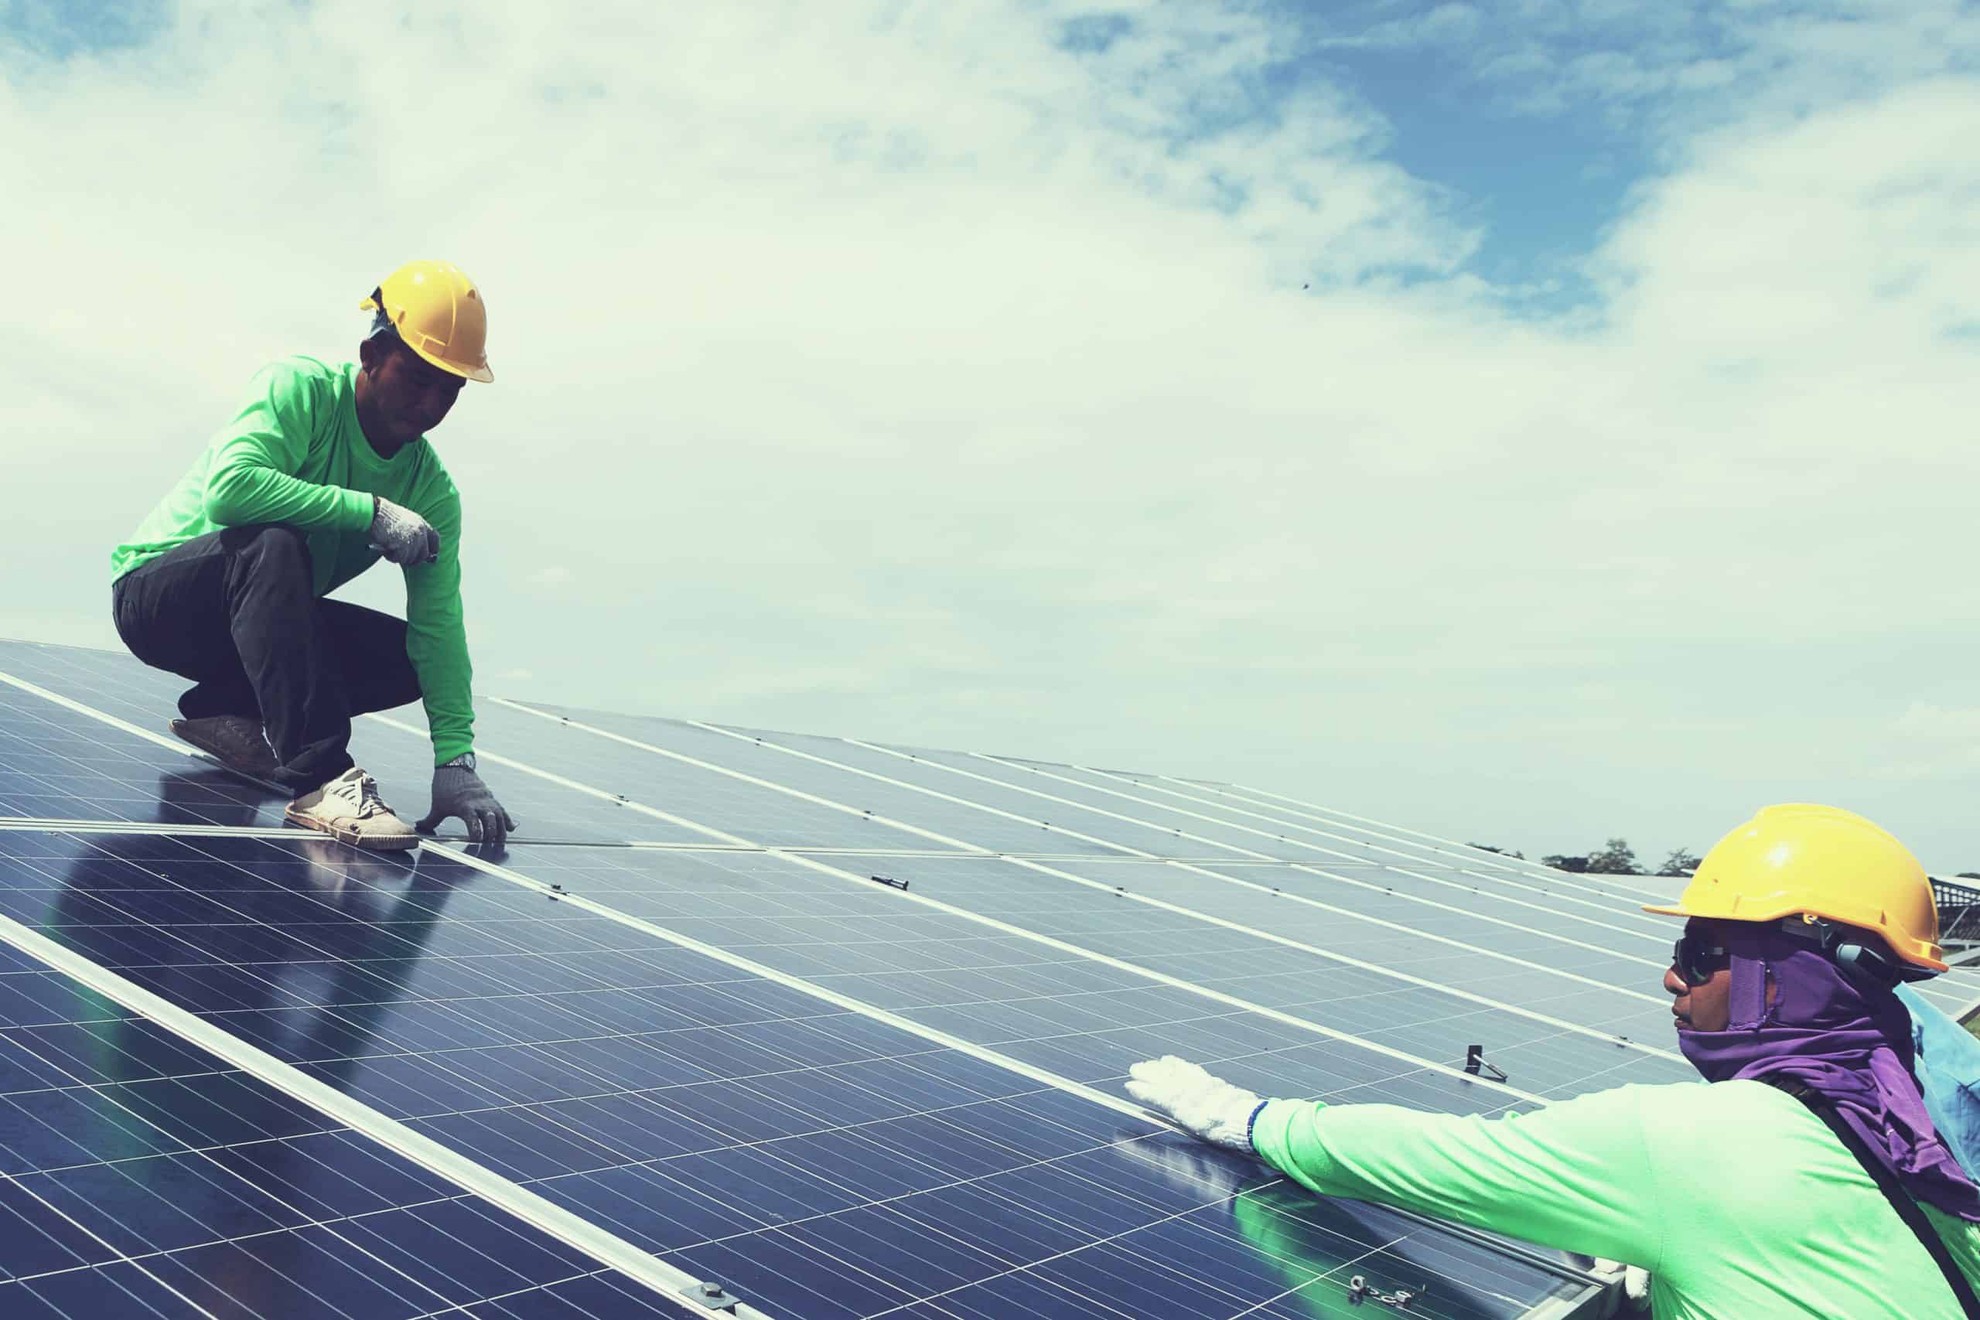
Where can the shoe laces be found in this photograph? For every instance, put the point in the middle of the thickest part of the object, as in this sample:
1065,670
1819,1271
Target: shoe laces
361,791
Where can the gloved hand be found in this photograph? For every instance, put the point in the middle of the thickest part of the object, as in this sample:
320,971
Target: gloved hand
401,535
458,791
1205,1106
1634,1285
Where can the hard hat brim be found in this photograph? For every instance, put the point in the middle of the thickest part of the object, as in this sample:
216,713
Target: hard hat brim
460,369
477,371
1909,951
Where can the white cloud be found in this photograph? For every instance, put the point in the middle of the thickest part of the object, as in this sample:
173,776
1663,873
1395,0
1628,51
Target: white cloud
1926,722
900,372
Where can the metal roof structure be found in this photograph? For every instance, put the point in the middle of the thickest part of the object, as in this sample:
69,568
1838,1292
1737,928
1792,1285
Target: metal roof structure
745,1023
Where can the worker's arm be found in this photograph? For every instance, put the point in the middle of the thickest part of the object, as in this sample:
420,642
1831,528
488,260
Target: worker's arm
252,477
436,627
1576,1175
436,641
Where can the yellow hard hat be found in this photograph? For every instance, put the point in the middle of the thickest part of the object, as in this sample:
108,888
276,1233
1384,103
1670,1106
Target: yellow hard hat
1813,861
439,314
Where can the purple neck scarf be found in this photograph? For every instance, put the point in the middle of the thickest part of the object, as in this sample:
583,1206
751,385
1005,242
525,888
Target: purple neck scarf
1850,1047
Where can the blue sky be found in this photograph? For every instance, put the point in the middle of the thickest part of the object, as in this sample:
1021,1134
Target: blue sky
60,31
1538,119
1538,187
942,373
1536,167
1536,183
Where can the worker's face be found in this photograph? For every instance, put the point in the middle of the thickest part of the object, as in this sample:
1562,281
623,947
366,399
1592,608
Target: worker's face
1707,1006
401,392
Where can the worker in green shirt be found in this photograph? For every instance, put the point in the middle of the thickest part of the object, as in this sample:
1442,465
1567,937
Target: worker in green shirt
325,470
1806,1180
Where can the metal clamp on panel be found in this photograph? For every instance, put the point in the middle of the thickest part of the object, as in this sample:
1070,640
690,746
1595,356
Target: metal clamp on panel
1477,1065
1360,1290
890,882
713,1296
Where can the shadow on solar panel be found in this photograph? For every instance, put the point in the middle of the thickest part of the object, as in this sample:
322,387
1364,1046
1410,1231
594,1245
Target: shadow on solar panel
676,1050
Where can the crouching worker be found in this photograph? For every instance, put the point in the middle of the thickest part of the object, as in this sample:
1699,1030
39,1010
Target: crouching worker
324,470
1807,1180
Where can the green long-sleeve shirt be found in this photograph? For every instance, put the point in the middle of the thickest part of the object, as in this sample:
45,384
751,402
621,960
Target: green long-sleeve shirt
295,454
1738,1200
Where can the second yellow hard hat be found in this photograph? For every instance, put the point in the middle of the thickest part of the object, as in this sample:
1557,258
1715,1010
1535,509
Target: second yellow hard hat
1803,859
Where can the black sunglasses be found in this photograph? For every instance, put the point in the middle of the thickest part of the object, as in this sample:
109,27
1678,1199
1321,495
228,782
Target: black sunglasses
1695,957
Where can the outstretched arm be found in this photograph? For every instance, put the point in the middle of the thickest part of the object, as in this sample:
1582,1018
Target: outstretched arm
1575,1175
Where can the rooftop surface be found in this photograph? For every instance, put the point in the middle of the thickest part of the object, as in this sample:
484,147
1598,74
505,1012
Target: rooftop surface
826,1027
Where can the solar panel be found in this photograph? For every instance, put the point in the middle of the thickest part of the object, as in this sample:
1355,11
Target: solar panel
57,764
147,698
1340,846
1055,1006
140,1175
920,795
1957,991
723,1122
720,804
1526,955
983,827
840,1029
961,806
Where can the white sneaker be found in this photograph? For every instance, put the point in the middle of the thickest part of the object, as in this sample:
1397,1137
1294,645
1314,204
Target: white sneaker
349,810
235,741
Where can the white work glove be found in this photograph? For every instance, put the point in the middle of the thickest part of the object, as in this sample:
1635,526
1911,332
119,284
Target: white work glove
1635,1285
1205,1106
401,535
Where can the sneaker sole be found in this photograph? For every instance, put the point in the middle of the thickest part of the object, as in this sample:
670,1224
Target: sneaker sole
355,838
257,771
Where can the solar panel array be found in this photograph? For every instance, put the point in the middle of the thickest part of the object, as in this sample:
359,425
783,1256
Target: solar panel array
793,1025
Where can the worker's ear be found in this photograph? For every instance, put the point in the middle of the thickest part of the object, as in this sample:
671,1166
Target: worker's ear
369,351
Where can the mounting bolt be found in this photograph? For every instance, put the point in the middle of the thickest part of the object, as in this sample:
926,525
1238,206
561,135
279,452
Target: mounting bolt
711,1295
